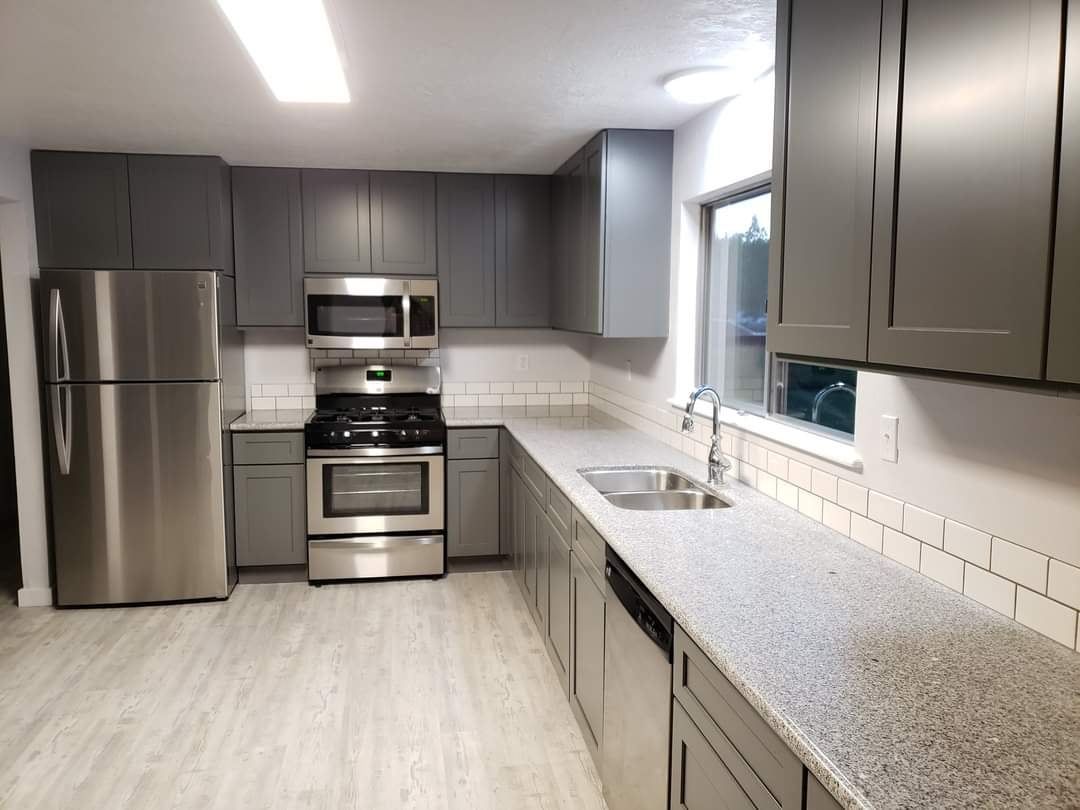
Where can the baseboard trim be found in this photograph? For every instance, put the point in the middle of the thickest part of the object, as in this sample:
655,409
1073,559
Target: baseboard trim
35,597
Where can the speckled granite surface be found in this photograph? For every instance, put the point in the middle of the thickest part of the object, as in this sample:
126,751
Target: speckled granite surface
272,420
895,691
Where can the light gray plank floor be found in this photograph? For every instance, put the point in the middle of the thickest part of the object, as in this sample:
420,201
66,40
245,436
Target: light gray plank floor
382,695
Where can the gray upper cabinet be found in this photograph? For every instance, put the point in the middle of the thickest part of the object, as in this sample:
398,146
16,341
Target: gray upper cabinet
472,511
823,177
269,248
466,256
1063,361
964,192
403,227
613,235
81,210
337,220
522,250
181,212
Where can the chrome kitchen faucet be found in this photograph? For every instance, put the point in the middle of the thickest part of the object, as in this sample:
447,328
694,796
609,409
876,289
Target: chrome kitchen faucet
718,465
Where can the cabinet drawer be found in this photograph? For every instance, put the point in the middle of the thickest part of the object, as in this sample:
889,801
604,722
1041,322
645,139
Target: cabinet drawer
763,765
535,480
472,443
268,448
587,542
517,455
559,511
699,778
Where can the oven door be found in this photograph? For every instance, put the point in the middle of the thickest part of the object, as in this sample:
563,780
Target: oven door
370,313
375,490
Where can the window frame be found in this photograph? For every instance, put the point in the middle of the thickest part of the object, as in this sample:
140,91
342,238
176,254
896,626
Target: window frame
768,409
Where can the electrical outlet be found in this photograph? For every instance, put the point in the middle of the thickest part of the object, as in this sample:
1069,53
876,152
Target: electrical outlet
888,430
523,362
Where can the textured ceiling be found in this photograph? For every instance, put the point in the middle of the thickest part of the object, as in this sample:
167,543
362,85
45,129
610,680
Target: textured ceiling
498,85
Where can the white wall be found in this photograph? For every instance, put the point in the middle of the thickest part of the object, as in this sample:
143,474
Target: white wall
1004,461
18,257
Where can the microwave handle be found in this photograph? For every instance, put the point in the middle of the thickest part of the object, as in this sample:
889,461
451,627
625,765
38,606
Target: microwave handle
406,310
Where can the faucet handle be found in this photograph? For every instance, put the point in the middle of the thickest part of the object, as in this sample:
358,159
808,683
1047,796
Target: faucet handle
687,423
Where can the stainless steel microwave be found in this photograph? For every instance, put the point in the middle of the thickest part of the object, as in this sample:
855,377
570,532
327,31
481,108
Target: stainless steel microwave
358,312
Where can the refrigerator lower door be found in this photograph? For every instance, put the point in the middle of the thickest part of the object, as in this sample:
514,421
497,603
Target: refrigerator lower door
137,493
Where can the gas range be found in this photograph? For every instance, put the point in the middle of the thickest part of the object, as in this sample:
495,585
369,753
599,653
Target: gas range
339,426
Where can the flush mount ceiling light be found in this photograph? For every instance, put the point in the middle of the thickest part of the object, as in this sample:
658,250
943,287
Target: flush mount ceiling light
704,85
291,44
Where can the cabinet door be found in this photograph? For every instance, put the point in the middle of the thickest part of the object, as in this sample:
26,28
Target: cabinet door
593,237
558,626
466,239
529,544
588,615
517,530
823,177
699,777
403,224
574,214
180,212
81,210
506,546
472,511
560,255
522,250
269,252
1063,362
337,220
271,527
965,186
543,569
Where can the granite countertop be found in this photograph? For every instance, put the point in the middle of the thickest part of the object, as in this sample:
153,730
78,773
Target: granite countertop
272,420
896,692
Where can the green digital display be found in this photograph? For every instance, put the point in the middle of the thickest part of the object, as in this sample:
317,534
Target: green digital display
378,374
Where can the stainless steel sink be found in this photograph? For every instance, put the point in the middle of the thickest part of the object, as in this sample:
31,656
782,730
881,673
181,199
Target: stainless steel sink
652,489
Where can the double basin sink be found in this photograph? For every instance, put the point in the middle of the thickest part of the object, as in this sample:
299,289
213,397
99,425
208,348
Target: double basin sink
651,489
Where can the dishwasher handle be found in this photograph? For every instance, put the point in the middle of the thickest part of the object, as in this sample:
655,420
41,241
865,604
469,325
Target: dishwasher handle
641,605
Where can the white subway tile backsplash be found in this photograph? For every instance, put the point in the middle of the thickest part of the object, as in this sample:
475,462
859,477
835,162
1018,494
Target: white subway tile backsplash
1064,583
256,390
800,474
263,403
561,399
502,388
810,505
926,526
339,353
275,390
852,496
308,402
787,494
489,400
465,401
513,400
451,388
866,532
900,547
886,510
945,568
993,591
477,388
580,399
778,465
747,474
289,403
524,388
964,541
766,483
301,390
536,400
836,518
1019,564
547,388
824,485
572,387
1046,616
759,456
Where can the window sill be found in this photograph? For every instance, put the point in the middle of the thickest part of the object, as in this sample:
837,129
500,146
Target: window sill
835,452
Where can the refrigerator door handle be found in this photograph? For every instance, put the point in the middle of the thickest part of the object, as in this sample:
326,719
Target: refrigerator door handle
58,338
62,426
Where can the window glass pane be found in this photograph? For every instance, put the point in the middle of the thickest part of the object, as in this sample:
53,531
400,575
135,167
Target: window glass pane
820,395
738,278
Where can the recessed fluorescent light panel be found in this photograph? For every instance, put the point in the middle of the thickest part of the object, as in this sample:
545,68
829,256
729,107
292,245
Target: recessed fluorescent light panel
703,85
291,44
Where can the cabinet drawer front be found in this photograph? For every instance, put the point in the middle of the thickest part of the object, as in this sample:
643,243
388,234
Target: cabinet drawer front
268,448
517,455
764,766
559,510
699,778
587,542
472,443
535,480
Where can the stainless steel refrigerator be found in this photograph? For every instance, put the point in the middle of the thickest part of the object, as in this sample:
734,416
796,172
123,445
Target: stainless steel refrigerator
144,372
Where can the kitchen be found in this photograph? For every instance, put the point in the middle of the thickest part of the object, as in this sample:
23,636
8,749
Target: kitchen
432,522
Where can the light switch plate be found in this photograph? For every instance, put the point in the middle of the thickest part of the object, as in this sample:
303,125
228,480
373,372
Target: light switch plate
887,436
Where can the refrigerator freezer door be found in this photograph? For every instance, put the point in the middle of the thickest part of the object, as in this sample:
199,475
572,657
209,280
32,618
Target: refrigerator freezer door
129,325
139,514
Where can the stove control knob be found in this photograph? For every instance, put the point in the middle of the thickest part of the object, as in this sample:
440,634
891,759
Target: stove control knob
346,434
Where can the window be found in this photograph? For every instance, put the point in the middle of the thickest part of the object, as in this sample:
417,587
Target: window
736,282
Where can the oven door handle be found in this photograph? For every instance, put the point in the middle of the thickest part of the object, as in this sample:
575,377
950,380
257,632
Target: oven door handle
376,452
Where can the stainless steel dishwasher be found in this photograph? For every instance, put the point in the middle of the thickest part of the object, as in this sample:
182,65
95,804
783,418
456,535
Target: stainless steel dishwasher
636,747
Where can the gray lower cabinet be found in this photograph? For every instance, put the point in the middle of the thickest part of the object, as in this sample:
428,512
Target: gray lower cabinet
466,249
817,797
823,177
558,614
588,615
472,511
522,250
337,220
964,194
270,508
267,227
181,212
517,534
1063,360
403,230
699,778
506,542
81,210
